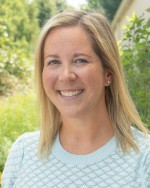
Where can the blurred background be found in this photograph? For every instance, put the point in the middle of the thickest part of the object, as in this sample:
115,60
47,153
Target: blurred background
20,24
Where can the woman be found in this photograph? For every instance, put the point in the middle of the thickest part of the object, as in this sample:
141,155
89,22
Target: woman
87,137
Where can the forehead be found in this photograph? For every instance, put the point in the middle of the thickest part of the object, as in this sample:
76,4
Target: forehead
68,34
75,29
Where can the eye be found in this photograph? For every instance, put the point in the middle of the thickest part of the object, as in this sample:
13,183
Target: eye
53,62
81,61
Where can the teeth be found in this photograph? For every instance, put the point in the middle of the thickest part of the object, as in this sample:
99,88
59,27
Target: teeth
70,93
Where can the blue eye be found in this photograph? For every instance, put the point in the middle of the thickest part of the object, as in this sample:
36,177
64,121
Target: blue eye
81,61
53,62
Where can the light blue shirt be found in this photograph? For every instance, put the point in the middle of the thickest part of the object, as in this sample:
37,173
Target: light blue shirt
107,167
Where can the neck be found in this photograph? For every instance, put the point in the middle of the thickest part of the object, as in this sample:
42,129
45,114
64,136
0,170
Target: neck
82,136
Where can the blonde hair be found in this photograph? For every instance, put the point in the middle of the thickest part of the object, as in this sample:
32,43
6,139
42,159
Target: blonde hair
119,104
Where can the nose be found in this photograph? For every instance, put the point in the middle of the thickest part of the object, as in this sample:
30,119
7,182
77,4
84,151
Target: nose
67,74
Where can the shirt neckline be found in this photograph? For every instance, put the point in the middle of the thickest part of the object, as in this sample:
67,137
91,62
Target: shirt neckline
100,154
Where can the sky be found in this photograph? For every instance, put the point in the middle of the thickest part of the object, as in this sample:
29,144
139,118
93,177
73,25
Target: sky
76,3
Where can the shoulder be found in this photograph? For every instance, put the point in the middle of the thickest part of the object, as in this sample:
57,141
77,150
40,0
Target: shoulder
142,140
143,164
29,138
27,141
24,145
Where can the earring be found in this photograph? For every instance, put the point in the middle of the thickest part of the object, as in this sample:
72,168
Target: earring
108,82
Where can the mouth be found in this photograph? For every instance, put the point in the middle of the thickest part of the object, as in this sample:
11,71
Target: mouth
71,93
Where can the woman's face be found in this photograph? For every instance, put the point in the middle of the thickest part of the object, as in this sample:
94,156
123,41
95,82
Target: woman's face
73,76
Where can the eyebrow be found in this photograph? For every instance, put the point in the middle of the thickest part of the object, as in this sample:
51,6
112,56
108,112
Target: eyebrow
51,55
75,55
81,54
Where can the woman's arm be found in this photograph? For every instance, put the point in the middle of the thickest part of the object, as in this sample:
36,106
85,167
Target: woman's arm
13,164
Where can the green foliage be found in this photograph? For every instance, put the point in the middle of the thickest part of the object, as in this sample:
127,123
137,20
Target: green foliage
106,6
110,7
45,11
19,19
13,58
16,41
93,5
136,60
18,114
48,8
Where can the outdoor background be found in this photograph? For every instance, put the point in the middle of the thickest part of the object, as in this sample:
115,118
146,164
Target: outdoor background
20,23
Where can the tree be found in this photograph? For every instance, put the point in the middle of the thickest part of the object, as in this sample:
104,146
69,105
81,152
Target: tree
106,6
135,55
17,17
20,22
16,42
48,8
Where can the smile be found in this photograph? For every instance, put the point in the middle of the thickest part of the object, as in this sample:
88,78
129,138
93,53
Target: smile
70,93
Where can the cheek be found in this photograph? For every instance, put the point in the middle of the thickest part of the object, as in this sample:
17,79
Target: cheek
94,78
48,79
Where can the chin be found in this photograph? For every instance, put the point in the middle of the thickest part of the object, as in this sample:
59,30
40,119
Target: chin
71,114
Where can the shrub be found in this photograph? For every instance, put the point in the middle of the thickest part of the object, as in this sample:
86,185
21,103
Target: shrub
135,54
18,114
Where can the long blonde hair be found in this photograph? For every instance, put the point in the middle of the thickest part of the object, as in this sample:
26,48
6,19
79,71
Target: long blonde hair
119,104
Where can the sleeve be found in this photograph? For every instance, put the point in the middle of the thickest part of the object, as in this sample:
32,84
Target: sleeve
144,166
147,170
13,164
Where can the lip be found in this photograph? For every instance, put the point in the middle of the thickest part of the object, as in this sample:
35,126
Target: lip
70,93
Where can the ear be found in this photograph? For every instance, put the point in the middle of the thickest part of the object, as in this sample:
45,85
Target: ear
108,78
